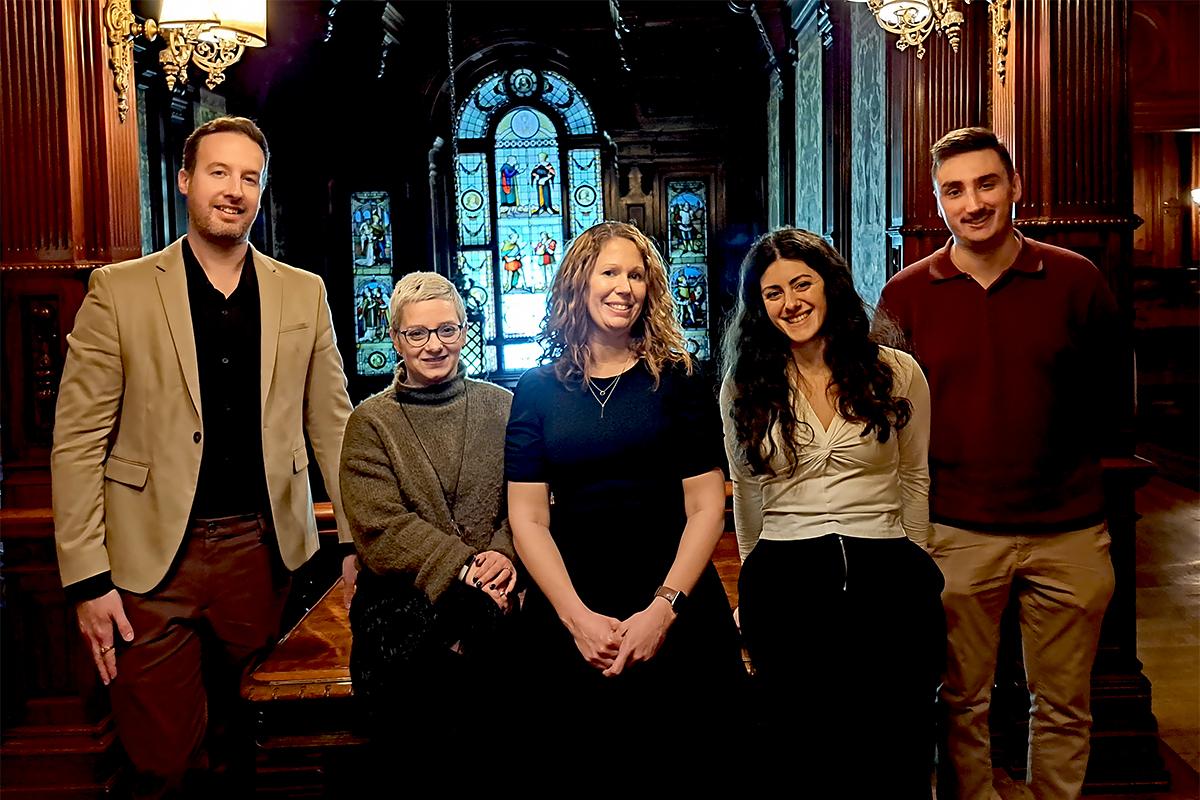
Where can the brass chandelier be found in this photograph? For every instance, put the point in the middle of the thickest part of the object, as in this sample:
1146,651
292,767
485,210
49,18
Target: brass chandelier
212,34
912,21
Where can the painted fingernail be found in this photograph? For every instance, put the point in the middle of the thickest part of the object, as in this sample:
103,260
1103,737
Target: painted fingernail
479,562
478,582
492,586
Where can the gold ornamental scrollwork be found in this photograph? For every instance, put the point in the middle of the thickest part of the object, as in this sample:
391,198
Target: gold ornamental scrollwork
215,57
913,22
1001,24
120,26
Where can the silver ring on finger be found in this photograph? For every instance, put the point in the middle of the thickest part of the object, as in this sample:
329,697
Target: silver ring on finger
105,649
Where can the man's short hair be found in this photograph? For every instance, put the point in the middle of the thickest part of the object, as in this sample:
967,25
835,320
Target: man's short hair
241,125
968,140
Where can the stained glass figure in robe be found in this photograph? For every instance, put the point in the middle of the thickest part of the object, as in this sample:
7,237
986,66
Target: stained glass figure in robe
508,183
542,178
371,250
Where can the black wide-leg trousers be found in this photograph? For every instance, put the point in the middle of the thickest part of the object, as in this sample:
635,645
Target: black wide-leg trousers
847,638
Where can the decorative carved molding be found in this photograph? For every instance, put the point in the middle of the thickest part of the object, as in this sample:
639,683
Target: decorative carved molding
751,9
82,266
620,29
825,26
1001,25
333,9
391,21
43,365
1131,222
120,26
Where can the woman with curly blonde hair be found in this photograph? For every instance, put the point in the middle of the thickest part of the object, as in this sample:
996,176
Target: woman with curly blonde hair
628,624
655,335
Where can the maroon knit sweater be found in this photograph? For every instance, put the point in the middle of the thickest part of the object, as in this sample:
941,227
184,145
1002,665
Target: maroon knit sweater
1025,380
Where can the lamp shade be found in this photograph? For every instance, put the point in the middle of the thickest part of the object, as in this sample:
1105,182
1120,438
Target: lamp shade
243,20
177,13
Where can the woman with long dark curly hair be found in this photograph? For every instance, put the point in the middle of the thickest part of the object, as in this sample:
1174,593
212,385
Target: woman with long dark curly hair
631,643
827,434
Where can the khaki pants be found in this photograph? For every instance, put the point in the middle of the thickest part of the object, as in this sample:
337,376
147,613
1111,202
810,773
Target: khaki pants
1063,583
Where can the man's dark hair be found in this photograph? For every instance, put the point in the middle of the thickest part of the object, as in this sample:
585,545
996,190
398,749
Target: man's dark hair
968,140
241,125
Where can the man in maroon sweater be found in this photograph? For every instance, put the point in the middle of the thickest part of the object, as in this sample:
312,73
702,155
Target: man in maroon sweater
1019,342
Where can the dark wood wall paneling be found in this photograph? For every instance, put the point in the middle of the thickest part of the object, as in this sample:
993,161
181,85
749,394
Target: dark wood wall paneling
65,155
1164,66
71,202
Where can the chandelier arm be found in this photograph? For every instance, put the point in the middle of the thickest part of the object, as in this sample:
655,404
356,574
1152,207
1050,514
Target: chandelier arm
215,57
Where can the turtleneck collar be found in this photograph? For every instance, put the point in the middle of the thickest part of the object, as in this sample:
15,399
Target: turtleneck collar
430,395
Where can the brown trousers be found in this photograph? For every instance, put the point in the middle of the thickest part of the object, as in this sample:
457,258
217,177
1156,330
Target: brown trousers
176,696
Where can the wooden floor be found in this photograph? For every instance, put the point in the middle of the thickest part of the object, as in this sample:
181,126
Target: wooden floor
1168,608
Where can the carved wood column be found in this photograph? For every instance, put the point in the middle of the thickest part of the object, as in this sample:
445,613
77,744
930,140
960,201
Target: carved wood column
927,98
70,202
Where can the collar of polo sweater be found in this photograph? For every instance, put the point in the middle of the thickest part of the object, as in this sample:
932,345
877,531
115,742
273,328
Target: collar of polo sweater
430,395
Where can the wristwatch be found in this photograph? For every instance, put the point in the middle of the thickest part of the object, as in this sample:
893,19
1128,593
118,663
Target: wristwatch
676,598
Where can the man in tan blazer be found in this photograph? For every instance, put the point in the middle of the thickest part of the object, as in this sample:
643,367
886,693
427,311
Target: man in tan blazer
181,492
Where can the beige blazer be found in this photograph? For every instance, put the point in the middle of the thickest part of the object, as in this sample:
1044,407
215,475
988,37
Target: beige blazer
128,434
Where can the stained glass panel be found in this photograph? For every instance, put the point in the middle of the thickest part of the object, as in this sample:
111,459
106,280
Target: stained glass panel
586,206
687,255
523,82
371,226
562,94
474,280
474,217
529,213
514,200
477,109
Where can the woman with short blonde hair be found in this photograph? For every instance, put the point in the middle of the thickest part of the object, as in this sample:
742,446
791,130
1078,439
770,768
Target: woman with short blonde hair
430,529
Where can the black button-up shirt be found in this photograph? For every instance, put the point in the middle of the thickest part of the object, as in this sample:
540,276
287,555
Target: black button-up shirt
228,352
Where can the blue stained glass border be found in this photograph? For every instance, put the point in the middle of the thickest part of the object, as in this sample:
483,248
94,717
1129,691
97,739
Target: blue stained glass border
587,196
474,212
562,95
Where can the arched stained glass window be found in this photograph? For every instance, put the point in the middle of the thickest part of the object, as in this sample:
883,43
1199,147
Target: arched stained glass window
527,178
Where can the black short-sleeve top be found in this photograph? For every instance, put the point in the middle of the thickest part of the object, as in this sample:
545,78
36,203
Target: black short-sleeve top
616,480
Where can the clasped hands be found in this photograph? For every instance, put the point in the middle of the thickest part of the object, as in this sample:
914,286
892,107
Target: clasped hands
611,645
494,575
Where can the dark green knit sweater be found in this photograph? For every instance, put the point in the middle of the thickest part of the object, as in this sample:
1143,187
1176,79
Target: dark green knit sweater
400,514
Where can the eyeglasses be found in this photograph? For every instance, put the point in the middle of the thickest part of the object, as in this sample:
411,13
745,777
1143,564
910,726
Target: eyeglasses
448,333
